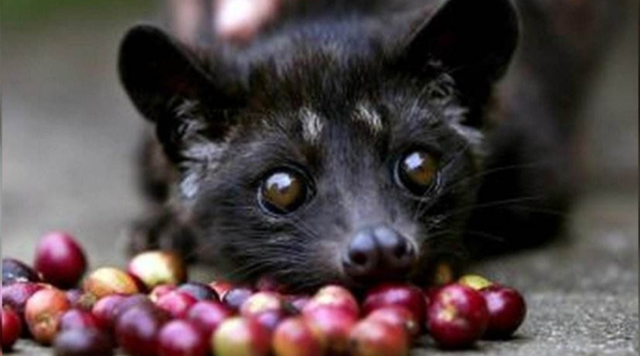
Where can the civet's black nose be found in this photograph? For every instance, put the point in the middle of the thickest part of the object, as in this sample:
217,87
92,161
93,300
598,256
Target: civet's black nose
378,253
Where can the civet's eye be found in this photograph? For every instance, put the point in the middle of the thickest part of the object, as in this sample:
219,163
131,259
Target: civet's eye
283,191
417,171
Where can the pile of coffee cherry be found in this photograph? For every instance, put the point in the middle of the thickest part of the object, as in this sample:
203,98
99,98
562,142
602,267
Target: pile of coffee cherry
151,309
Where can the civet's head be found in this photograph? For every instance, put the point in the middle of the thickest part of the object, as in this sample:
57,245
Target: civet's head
317,158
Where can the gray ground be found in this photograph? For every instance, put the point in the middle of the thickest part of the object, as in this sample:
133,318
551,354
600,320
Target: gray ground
68,134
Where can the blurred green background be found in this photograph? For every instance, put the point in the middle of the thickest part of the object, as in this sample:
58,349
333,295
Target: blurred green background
69,132
29,11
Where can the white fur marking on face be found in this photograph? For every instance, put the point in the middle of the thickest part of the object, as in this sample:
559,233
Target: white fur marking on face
474,136
189,186
198,147
206,156
368,116
311,125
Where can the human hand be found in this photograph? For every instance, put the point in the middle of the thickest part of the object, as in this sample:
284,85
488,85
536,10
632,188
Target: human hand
241,20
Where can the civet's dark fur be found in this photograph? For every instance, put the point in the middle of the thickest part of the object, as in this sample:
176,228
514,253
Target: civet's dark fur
226,115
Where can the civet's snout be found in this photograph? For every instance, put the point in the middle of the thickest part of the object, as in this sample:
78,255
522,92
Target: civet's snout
378,253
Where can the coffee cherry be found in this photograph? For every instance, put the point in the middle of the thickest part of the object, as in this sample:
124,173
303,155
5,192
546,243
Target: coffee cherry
16,271
372,337
161,290
397,316
241,337
294,337
221,287
270,319
142,288
11,328
332,327
107,280
429,293
507,310
235,297
60,260
137,330
181,338
113,306
457,316
15,296
474,281
335,297
403,295
336,291
77,319
176,303
77,299
130,301
200,291
86,302
82,342
261,302
43,311
104,310
154,268
208,315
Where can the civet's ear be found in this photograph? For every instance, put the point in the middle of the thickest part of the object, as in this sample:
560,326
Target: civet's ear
155,70
473,39
169,87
